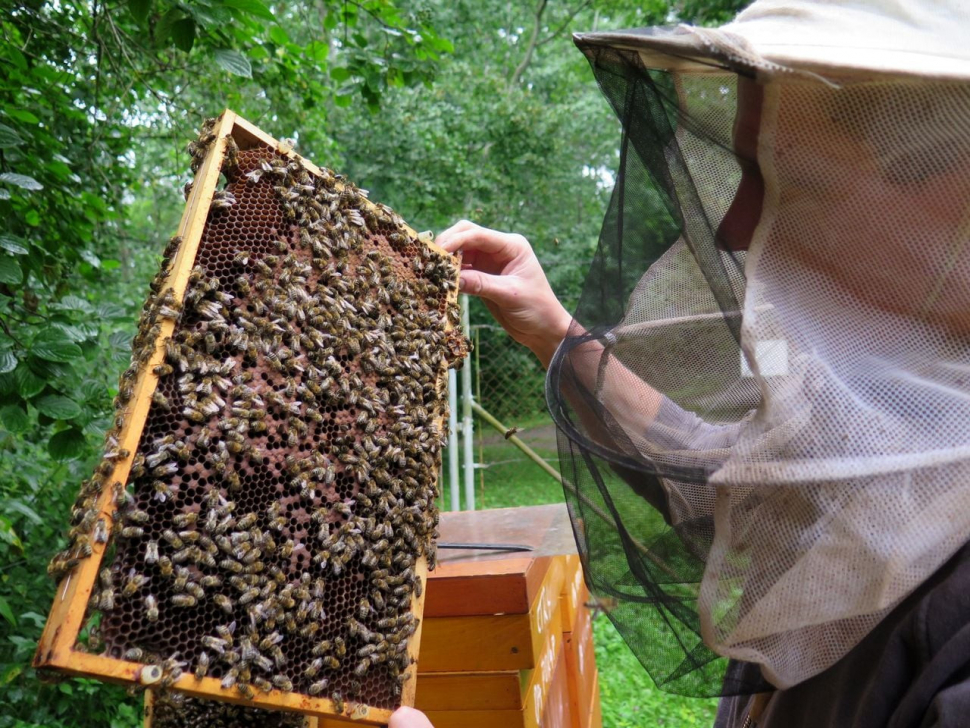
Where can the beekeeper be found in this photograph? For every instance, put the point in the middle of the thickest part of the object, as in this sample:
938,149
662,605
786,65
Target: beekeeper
763,396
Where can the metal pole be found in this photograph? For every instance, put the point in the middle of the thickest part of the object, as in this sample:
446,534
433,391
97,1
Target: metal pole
453,485
534,457
468,423
514,439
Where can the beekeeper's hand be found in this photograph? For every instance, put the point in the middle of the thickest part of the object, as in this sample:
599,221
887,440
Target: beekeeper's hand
503,271
409,718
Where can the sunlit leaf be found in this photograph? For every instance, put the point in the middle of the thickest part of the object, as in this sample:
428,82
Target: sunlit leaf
12,244
90,257
8,361
339,73
7,612
21,180
8,534
278,35
234,62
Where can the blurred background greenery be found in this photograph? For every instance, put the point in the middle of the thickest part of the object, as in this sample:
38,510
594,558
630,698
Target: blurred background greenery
480,109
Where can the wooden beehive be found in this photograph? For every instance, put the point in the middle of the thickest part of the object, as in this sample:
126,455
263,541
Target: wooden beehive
267,494
502,632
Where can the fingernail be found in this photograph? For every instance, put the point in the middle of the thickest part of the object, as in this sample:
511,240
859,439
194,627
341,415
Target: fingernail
462,284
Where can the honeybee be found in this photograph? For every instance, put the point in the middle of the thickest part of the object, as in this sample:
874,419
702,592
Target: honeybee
283,683
202,665
151,608
100,531
151,551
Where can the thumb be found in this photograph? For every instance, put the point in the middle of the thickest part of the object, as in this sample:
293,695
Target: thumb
409,718
483,285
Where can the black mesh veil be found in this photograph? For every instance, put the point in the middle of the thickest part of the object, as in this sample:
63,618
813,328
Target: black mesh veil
748,400
645,570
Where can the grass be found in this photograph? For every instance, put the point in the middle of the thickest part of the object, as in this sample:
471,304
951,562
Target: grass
629,697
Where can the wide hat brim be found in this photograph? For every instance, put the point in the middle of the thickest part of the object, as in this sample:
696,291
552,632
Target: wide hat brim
683,48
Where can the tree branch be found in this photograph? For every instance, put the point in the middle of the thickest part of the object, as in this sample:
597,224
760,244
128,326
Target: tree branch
533,43
554,34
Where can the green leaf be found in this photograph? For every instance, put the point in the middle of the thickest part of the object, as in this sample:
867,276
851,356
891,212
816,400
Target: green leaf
211,15
139,9
73,303
57,407
29,384
9,534
317,51
9,137
20,507
22,115
10,271
89,256
32,218
339,73
54,345
7,612
252,7
48,370
163,28
8,361
343,101
183,34
12,244
4,193
234,62
14,418
21,180
278,35
67,444
11,674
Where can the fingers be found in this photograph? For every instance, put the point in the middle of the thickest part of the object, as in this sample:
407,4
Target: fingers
456,228
409,718
502,290
467,236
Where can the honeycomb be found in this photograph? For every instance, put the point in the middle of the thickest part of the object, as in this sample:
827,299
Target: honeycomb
283,490
172,710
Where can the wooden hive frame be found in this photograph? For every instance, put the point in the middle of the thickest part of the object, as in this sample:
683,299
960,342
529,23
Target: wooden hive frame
57,648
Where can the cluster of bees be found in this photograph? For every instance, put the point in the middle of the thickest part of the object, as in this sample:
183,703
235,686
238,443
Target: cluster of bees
283,490
173,710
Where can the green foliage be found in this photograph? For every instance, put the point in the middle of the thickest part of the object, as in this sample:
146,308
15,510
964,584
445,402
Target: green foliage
443,109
